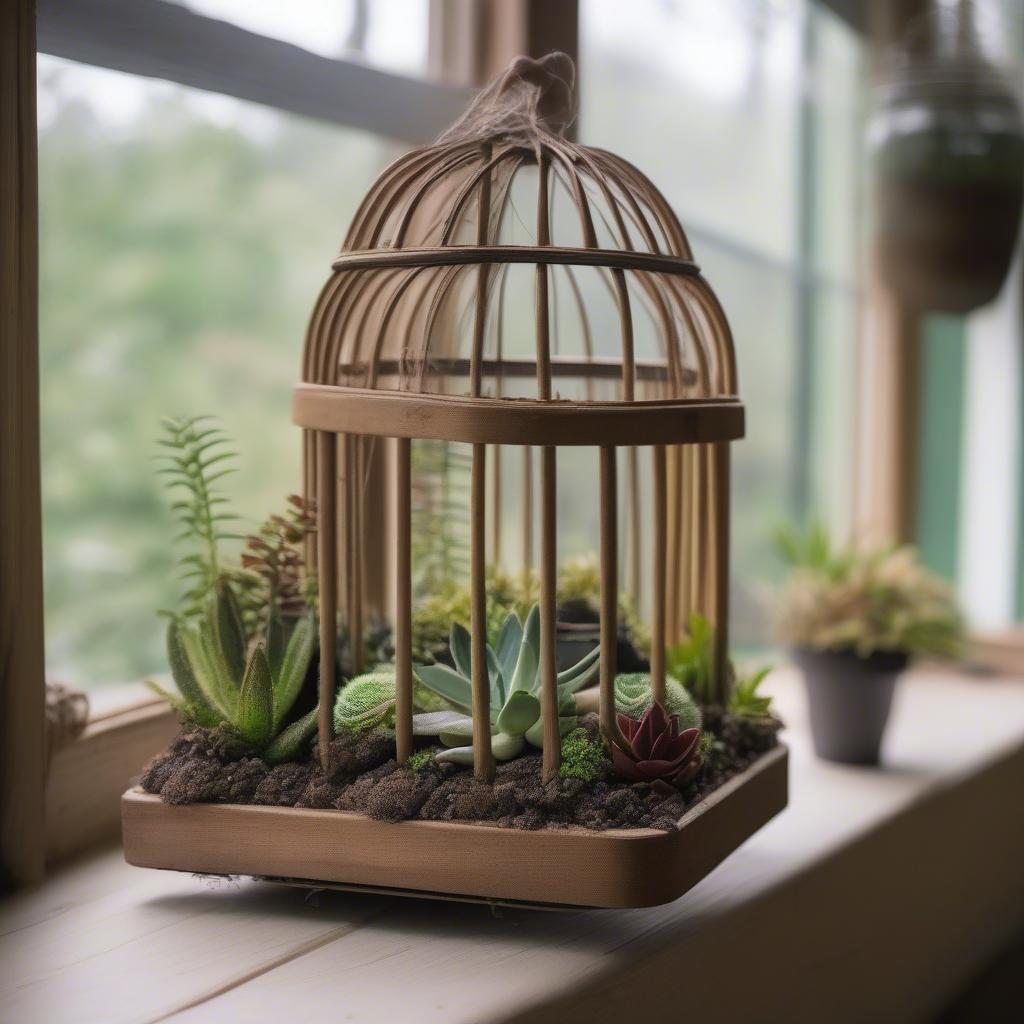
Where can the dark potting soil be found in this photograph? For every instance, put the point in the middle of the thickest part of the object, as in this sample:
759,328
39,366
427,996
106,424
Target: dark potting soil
208,766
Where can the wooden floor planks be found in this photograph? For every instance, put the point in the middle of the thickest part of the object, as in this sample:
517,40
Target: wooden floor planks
105,942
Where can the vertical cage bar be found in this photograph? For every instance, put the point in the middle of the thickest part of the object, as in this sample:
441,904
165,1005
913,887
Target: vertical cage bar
548,518
496,504
675,537
328,584
659,508
686,567
483,758
527,513
609,595
403,599
355,621
720,582
635,548
548,627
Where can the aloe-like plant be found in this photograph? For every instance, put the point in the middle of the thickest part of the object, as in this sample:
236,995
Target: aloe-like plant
745,700
513,667
220,680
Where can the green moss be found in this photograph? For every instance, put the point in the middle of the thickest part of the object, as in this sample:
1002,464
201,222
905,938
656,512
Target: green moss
421,759
583,757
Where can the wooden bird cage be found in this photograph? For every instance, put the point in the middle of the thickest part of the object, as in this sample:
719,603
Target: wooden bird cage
595,329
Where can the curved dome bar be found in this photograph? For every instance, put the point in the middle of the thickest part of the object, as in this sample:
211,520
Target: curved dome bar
507,287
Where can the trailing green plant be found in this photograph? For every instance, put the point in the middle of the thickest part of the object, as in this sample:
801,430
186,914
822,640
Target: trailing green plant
744,699
513,665
198,456
864,600
222,678
692,660
634,696
366,702
584,757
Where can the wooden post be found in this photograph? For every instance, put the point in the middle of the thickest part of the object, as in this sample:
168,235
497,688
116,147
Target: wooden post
403,600
328,584
22,686
483,758
659,503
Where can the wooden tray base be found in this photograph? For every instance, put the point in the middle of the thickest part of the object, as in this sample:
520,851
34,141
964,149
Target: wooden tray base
575,867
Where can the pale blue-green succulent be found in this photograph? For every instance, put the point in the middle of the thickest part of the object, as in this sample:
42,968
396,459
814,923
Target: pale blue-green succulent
513,668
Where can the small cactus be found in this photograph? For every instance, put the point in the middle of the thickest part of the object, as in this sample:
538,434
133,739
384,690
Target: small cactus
365,703
633,699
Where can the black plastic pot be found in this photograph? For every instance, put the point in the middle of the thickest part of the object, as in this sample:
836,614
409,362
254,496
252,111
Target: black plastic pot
849,699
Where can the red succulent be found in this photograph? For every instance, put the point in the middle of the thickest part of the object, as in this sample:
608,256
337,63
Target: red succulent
658,751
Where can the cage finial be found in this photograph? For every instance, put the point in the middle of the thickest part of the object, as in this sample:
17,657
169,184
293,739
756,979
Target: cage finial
530,99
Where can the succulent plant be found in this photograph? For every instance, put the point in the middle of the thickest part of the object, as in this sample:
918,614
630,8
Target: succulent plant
514,672
658,751
745,701
633,697
366,702
864,600
692,661
218,681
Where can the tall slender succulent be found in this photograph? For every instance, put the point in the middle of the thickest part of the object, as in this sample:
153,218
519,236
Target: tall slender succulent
222,678
197,457
513,666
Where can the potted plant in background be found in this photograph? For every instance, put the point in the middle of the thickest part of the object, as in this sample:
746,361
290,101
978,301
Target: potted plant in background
854,619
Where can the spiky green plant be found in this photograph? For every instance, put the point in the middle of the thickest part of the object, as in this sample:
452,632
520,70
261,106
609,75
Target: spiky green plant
745,701
198,456
366,702
513,666
633,697
692,661
218,681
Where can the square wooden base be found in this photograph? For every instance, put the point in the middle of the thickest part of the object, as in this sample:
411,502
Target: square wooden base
575,867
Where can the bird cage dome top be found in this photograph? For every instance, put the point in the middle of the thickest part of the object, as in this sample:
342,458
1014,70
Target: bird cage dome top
505,267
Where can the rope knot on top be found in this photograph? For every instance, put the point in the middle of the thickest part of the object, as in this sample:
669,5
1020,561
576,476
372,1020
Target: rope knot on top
531,99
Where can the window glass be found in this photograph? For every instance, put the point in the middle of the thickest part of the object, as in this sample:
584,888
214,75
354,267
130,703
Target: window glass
183,237
390,35
748,116
704,99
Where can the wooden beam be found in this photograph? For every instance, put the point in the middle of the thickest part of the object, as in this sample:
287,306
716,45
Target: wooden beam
22,691
472,41
164,40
